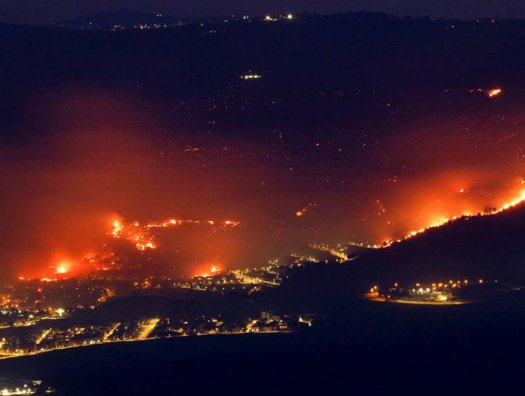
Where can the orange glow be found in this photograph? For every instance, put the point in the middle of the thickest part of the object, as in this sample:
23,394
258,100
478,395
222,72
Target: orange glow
210,270
142,236
45,279
505,206
133,233
61,269
143,239
303,211
491,93
103,160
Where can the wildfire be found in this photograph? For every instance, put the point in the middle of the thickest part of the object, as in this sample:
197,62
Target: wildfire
177,222
215,269
62,269
507,205
133,233
142,238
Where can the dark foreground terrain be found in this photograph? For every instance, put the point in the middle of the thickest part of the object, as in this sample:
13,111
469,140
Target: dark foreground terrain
373,348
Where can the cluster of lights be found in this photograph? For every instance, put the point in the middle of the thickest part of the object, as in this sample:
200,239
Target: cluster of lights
136,330
17,391
269,18
341,255
435,294
451,284
251,76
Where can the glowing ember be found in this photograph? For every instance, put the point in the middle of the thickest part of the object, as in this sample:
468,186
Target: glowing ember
62,269
45,279
491,93
303,211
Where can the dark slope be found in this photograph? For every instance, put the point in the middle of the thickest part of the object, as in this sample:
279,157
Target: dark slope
489,247
123,18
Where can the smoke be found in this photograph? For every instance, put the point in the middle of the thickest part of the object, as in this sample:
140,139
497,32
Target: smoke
62,189
98,156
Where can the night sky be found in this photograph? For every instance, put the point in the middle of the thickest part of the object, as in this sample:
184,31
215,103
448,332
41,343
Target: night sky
39,11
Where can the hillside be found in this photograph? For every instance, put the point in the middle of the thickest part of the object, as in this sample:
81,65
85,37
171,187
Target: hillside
480,247
121,19
488,247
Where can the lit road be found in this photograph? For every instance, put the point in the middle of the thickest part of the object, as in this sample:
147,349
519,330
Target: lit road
110,332
44,334
147,328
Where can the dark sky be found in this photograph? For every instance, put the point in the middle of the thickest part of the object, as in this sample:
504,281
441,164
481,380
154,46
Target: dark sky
45,11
